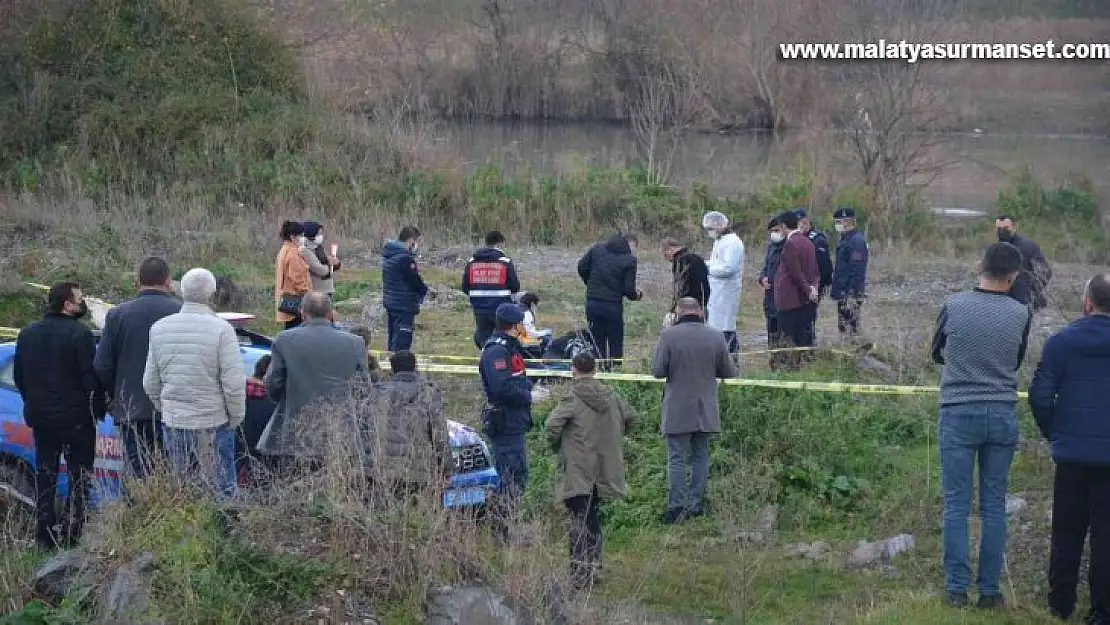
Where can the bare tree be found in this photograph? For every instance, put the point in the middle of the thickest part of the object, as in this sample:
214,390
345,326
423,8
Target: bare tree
891,108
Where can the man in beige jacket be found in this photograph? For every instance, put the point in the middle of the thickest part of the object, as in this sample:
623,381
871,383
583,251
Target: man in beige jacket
195,378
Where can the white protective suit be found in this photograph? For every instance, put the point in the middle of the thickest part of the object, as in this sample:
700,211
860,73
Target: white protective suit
726,270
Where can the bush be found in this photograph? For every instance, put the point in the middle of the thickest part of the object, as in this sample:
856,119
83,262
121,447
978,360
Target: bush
139,85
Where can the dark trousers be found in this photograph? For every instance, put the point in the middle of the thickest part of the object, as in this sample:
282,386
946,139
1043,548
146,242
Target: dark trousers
142,442
733,341
1080,503
772,331
510,458
847,315
401,329
795,329
485,324
78,444
606,324
796,325
585,535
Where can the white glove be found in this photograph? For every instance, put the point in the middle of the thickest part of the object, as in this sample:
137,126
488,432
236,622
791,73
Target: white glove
539,394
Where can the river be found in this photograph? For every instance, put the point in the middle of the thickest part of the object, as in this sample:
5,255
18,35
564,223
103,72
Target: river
985,163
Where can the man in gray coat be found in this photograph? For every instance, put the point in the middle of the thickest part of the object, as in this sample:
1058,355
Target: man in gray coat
311,363
691,356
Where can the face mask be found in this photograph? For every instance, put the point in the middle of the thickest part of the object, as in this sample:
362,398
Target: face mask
838,227
1005,235
776,237
300,240
318,239
712,234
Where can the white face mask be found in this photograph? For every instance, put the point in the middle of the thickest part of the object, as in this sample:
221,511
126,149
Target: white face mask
712,234
318,239
839,227
776,237
300,240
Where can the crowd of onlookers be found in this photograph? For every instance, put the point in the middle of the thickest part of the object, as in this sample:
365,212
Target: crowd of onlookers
175,380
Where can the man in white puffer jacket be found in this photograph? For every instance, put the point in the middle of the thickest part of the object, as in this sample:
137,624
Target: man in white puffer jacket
196,380
726,271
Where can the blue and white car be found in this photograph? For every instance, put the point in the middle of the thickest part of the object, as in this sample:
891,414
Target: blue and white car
471,485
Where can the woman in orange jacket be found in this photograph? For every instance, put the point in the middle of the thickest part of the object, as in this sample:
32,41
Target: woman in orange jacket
292,278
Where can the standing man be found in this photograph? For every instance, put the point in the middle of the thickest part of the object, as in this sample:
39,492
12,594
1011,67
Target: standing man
121,360
850,277
489,279
63,399
980,338
609,272
726,272
691,275
767,280
691,356
195,377
403,290
1067,396
1035,271
796,286
508,412
586,430
315,360
821,248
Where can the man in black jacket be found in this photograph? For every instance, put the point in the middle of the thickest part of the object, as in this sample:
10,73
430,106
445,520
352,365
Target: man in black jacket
62,401
691,276
1035,271
121,361
489,279
609,272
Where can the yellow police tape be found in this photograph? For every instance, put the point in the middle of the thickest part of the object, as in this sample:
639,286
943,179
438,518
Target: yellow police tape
567,361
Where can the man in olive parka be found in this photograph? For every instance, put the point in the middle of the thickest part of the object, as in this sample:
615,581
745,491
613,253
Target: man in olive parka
586,429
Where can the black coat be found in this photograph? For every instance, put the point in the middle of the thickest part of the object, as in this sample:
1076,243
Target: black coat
121,358
54,374
609,272
1035,273
691,277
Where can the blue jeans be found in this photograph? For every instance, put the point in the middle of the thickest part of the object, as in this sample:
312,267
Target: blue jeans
987,433
207,455
687,454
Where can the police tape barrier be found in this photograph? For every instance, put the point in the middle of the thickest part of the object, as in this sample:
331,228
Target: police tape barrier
799,385
567,361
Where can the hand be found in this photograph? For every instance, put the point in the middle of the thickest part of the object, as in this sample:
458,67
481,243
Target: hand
813,294
639,294
766,284
333,261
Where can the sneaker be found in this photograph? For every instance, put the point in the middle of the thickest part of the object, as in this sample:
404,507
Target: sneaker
957,600
673,516
991,602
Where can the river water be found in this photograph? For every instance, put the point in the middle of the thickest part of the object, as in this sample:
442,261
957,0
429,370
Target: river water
729,164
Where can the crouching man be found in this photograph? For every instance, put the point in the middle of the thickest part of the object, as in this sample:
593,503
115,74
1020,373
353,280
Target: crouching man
586,430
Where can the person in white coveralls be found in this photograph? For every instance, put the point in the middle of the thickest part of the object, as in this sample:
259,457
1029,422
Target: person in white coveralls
726,270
